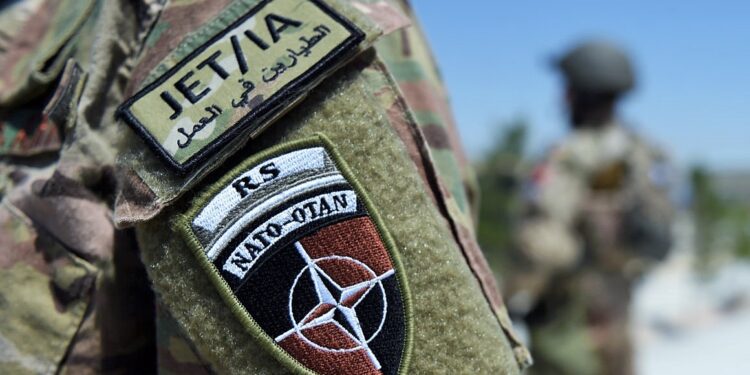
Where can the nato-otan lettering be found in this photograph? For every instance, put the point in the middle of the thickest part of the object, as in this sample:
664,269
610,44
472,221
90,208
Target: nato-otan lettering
268,233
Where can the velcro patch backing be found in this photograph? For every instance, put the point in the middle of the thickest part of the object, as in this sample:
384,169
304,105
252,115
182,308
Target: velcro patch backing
297,251
240,79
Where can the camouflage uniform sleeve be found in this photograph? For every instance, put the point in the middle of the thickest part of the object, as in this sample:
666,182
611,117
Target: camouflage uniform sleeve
435,147
437,305
46,295
358,220
411,62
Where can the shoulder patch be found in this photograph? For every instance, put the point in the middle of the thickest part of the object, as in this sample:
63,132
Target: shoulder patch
299,254
240,79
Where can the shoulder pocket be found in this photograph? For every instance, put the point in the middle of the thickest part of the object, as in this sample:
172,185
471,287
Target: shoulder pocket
38,127
39,50
46,292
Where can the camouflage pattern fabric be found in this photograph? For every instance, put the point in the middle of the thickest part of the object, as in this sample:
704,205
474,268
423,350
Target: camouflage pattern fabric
84,279
80,301
581,254
48,293
77,300
445,166
38,50
407,55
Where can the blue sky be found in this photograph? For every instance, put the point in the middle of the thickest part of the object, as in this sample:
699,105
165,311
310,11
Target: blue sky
693,61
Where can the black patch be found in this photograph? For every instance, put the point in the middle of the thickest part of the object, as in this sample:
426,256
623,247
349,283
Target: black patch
280,291
322,283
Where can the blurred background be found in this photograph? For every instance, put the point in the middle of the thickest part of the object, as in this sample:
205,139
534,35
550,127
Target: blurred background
691,314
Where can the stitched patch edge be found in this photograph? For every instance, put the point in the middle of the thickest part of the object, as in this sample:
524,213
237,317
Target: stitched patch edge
183,226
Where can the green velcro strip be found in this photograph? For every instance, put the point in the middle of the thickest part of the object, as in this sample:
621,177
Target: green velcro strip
298,252
238,81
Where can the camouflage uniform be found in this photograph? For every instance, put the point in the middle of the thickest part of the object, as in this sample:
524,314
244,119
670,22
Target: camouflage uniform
598,214
97,278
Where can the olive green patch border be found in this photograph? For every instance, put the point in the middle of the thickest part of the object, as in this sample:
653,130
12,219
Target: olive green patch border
182,225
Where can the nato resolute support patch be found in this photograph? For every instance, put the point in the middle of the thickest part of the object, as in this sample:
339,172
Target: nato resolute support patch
240,79
296,250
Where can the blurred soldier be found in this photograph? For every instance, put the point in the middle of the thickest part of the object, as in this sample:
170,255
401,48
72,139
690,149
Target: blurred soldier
598,214
248,186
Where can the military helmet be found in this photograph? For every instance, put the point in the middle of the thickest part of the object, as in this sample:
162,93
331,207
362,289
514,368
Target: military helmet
597,67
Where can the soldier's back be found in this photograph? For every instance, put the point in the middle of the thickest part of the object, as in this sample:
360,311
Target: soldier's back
600,215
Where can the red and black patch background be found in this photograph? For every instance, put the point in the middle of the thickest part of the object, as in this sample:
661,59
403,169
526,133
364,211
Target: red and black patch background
346,243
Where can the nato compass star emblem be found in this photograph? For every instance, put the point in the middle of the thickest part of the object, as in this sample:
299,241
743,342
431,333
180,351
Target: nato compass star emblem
337,304
294,243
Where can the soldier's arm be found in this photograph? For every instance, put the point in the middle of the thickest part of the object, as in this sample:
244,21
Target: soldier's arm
280,187
327,242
